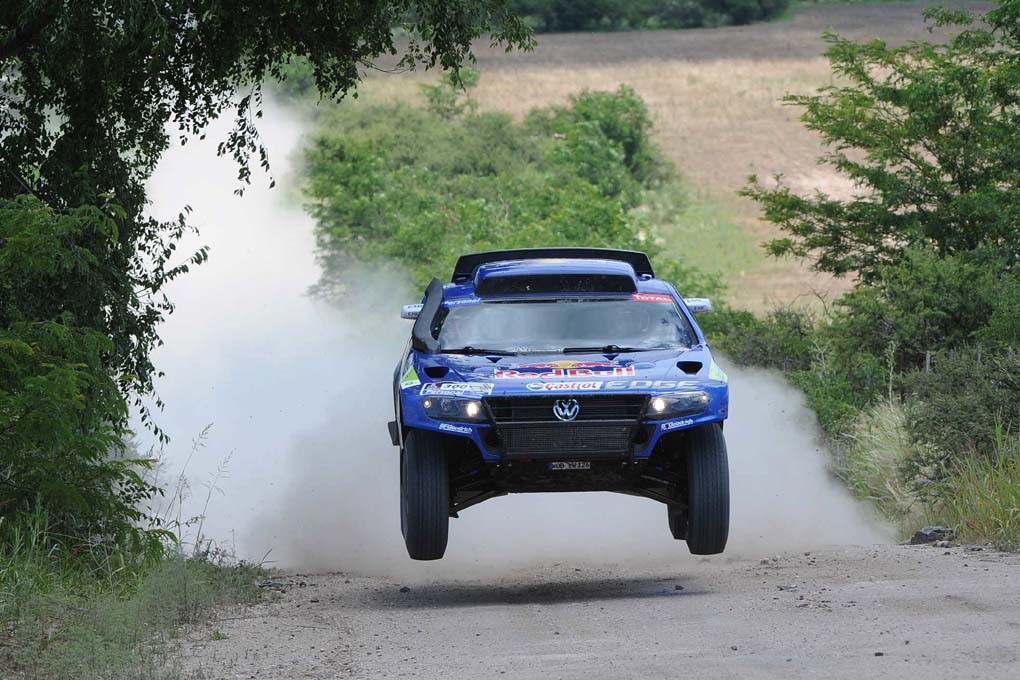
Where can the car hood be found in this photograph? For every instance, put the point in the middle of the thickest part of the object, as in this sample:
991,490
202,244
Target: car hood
647,371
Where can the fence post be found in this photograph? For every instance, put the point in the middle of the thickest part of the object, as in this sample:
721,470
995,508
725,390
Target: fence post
927,361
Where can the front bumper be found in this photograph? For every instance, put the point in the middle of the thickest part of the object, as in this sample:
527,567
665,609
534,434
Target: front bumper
625,435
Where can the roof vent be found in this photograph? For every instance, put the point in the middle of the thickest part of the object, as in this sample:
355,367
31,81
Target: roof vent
556,283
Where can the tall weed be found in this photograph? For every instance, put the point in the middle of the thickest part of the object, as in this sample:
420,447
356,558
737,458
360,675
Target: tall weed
980,497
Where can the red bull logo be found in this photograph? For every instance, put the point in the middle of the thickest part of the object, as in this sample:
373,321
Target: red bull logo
548,371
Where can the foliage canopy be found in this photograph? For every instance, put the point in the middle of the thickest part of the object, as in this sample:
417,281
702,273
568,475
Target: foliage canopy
616,15
90,93
927,134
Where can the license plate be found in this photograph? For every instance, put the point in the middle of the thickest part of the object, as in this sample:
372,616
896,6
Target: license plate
570,465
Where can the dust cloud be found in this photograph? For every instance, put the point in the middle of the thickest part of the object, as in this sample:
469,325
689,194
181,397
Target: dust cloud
298,394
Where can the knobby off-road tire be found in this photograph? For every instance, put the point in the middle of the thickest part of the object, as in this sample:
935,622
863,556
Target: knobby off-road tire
708,489
424,496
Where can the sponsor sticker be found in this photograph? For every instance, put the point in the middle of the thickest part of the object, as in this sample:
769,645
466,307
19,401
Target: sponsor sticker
459,429
457,388
410,378
568,363
651,297
564,386
570,465
716,373
602,371
673,425
647,384
460,302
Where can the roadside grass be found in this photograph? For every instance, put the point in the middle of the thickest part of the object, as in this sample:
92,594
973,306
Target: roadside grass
981,497
70,611
870,459
60,622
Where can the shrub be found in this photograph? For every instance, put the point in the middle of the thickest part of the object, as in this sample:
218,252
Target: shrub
418,187
929,303
958,407
617,15
449,97
62,414
783,340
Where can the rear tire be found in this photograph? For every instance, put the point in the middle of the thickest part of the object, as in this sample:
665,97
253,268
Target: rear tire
708,488
424,496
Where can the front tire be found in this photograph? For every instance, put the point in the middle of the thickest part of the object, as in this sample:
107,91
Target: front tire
708,487
424,496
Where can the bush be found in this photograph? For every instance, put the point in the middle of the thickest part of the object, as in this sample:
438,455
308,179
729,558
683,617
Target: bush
62,414
960,406
616,15
784,340
422,186
930,303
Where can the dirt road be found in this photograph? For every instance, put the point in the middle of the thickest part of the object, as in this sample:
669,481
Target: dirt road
875,612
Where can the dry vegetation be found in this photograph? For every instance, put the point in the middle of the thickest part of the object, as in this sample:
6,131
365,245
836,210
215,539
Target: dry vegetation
715,97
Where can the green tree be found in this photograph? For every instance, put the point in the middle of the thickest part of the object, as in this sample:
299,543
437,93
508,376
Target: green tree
89,89
91,95
927,134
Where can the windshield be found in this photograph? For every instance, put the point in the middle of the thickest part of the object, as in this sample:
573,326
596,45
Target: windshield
639,322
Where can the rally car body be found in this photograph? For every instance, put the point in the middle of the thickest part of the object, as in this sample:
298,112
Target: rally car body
558,370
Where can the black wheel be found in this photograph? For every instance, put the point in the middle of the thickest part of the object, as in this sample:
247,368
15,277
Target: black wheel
424,496
708,491
677,522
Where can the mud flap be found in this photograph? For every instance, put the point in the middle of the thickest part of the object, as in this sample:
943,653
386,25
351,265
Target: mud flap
394,432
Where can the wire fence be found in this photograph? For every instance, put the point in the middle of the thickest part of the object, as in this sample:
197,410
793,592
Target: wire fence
980,354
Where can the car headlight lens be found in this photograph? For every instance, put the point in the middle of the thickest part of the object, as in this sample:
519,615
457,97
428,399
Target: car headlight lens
451,408
676,404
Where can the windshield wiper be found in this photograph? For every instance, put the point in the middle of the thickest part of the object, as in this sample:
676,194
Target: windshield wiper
605,349
475,350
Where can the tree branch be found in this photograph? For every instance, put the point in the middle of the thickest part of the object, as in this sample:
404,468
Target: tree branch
22,39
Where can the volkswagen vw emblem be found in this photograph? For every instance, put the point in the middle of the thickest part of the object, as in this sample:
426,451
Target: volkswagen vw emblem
566,409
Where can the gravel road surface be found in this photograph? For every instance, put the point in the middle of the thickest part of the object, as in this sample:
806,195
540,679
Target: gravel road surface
849,612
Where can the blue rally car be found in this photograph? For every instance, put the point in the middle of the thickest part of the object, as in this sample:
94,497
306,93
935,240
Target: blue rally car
559,369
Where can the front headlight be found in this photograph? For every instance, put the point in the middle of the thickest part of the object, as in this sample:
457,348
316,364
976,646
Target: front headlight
452,408
676,404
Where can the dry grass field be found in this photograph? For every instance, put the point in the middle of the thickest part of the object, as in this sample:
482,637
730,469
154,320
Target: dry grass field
714,95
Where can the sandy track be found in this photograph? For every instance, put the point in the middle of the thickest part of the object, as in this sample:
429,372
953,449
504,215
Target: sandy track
876,612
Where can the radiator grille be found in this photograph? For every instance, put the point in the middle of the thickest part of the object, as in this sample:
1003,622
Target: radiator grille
593,407
604,427
568,441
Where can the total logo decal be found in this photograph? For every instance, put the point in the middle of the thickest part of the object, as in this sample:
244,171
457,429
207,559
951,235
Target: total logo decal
651,297
565,386
457,388
459,429
686,422
566,369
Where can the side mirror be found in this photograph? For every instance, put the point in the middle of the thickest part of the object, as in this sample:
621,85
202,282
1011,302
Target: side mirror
410,311
698,305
